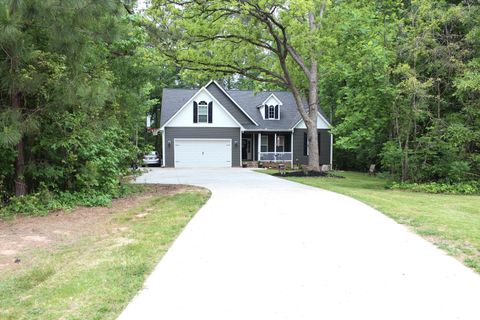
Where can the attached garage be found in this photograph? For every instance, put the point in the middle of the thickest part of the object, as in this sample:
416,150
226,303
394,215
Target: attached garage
206,153
187,147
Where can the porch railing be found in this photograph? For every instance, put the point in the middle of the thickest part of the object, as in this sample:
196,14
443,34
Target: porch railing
275,156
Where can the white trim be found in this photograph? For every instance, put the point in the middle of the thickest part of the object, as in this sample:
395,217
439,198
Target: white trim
191,100
203,139
275,143
229,97
322,117
280,103
240,147
198,112
163,148
259,147
275,155
273,119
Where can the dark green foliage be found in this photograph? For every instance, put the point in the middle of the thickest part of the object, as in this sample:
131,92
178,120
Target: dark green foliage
472,187
76,78
402,85
42,202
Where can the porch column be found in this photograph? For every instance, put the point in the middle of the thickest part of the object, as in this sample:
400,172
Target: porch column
275,145
259,149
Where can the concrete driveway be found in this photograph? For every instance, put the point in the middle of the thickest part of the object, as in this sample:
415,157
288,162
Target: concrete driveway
265,248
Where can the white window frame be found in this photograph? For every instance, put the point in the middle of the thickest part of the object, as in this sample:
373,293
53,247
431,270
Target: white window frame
271,112
202,105
262,145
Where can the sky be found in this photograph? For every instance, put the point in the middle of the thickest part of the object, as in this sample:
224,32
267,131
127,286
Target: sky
142,4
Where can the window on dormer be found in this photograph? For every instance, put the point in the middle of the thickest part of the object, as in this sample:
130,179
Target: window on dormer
271,112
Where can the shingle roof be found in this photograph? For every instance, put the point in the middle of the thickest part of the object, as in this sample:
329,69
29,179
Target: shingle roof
174,99
249,101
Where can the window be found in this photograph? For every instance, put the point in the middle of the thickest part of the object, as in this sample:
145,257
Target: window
202,112
264,144
280,143
271,112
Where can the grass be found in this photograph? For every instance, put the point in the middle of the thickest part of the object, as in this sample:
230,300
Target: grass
96,276
452,222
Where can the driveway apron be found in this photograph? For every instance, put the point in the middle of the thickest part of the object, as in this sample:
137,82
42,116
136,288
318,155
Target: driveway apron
266,248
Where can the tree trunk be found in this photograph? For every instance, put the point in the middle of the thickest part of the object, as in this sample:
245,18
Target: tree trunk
310,120
405,165
313,152
311,123
20,185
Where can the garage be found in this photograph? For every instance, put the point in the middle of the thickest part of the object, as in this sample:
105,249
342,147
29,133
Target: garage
205,153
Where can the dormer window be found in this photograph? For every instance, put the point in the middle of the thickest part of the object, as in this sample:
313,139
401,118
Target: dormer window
272,112
271,108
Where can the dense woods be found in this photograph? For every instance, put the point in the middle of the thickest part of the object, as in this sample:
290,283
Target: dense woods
400,80
403,87
75,82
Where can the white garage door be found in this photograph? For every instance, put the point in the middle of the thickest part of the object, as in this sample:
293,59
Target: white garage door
191,153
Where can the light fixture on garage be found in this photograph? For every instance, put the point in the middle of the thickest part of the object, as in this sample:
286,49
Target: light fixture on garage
169,143
236,143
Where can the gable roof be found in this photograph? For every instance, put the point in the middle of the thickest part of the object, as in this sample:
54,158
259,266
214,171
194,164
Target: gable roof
272,95
248,103
230,104
172,101
251,102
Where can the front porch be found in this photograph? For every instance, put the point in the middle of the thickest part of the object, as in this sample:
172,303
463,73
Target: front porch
267,147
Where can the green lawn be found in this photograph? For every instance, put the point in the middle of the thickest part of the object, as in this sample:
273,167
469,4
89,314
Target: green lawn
452,222
96,276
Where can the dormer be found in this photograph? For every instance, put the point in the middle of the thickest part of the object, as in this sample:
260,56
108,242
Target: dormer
270,108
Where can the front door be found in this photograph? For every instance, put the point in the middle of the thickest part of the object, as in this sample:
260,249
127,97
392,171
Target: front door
247,149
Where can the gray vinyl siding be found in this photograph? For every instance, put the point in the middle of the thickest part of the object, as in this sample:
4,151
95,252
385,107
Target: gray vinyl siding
172,133
325,145
228,104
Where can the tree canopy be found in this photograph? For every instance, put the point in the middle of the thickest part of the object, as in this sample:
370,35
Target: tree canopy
76,80
399,80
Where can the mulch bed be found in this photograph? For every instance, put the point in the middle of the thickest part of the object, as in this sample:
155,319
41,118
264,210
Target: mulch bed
307,174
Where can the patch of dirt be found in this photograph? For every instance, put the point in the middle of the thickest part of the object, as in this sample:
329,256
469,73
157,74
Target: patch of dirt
62,227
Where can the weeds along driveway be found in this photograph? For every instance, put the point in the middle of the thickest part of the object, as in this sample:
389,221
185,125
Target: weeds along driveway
267,248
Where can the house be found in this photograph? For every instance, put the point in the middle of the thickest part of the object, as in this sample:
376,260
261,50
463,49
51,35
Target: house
214,127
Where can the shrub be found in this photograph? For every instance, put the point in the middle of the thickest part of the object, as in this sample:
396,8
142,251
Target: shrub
392,158
458,171
44,201
472,187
